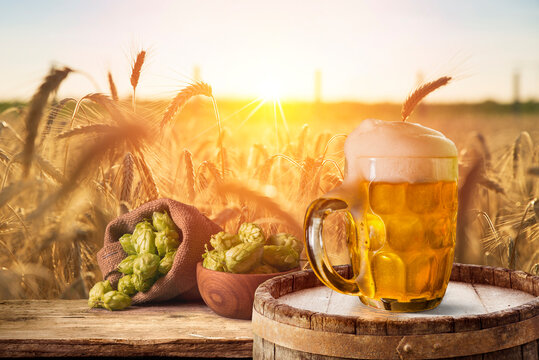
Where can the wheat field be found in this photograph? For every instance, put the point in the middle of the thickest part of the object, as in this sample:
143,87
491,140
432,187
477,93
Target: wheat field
69,166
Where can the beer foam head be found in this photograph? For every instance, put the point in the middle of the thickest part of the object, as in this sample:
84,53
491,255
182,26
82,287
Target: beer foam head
405,148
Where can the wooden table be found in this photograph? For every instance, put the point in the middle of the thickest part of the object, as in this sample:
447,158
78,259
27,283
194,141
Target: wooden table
70,328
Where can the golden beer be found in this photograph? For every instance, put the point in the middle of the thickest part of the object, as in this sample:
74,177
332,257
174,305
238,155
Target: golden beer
399,196
411,235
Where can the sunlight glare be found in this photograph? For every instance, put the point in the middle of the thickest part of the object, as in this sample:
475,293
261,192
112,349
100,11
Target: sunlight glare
270,89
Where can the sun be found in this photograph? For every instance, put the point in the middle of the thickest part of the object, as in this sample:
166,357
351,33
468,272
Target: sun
270,89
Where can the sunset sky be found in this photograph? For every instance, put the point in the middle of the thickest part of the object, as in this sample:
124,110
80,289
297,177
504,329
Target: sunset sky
365,50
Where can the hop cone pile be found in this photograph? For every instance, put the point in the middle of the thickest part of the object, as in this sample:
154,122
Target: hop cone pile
249,252
150,254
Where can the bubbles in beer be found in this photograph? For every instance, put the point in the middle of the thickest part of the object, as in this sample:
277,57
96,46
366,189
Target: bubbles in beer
423,198
389,275
410,249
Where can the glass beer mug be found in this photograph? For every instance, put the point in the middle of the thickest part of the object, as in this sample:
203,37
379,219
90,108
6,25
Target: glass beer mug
399,196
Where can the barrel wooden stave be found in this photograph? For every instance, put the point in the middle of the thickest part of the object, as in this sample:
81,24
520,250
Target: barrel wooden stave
269,307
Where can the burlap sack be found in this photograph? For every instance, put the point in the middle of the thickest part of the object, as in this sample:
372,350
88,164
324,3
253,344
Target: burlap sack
195,230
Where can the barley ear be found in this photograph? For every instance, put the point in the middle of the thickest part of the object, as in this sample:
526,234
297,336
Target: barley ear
418,95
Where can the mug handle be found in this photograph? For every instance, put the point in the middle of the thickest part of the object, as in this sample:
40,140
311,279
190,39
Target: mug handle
314,243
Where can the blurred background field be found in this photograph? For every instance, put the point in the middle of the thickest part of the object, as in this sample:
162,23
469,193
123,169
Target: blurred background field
274,166
288,82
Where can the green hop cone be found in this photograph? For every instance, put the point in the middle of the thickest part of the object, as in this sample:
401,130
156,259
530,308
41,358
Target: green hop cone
95,296
127,244
142,284
243,257
146,265
166,241
161,221
285,239
251,233
126,286
143,238
223,241
166,262
214,260
116,300
264,269
126,265
282,257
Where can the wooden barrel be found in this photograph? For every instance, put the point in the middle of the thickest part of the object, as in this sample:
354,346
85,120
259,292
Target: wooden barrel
486,313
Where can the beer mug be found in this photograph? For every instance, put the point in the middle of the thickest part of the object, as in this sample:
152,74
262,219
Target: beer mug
399,198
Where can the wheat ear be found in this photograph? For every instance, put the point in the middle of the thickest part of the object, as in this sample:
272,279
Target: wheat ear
127,177
523,145
147,177
94,128
418,95
301,140
135,72
37,104
189,174
112,86
52,116
198,88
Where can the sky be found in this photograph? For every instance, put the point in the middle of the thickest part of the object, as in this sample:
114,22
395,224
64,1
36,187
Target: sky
365,50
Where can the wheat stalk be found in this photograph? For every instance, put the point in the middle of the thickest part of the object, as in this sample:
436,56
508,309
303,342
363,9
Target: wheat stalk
202,182
513,250
48,168
523,145
135,73
420,93
246,194
189,175
127,177
211,168
98,98
226,215
198,88
147,176
112,86
37,104
4,157
491,184
263,173
87,129
52,116
301,140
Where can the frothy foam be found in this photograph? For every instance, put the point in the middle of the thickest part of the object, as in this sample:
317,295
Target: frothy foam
404,153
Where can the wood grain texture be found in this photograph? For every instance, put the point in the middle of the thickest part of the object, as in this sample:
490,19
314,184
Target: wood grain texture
70,328
486,313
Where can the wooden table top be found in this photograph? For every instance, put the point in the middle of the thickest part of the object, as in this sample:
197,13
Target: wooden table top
70,328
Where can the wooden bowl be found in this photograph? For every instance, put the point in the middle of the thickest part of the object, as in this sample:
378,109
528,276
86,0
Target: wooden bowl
230,295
